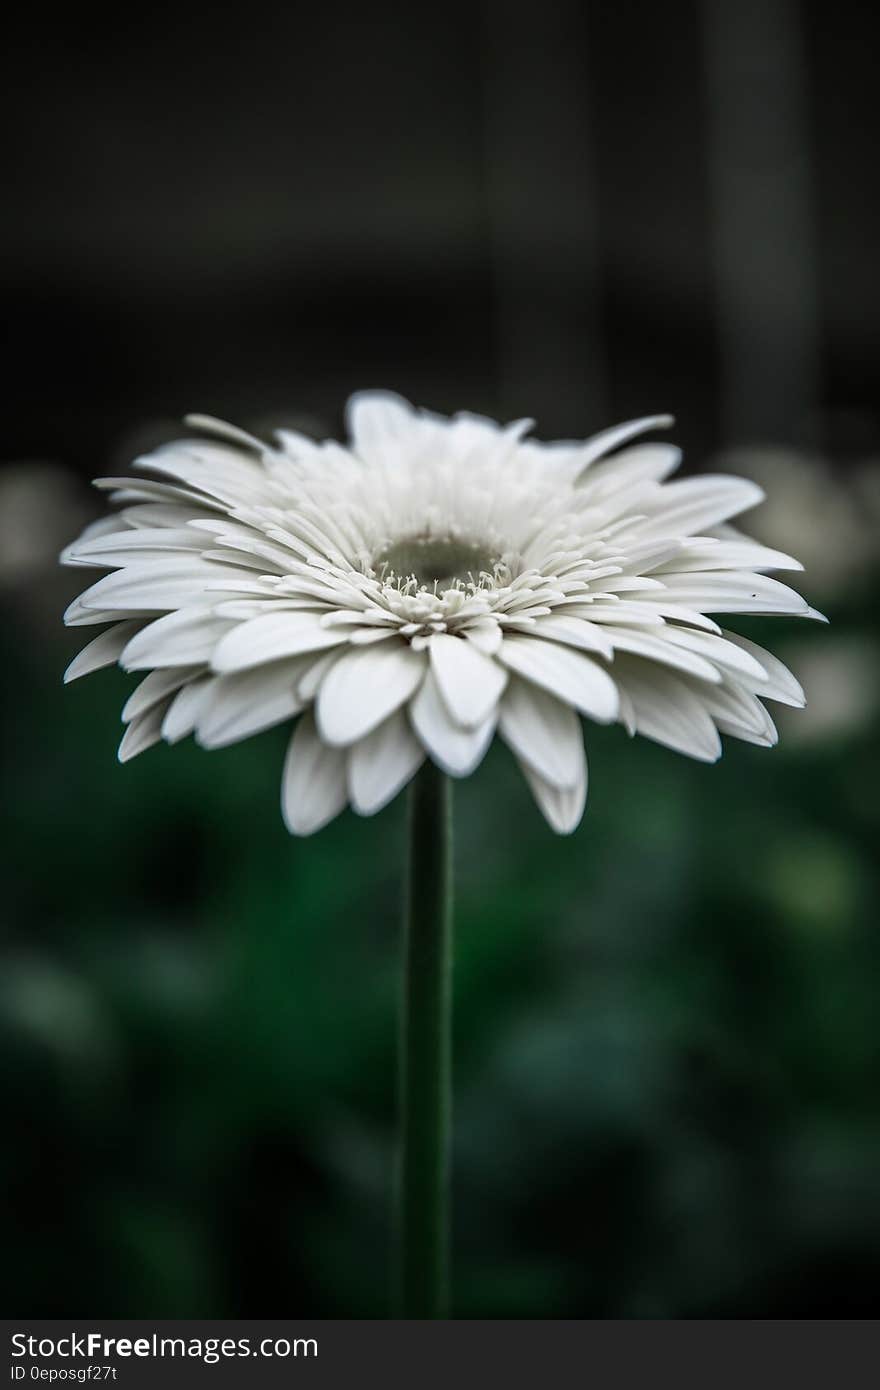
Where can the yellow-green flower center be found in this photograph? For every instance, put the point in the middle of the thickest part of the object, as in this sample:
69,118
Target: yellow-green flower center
434,562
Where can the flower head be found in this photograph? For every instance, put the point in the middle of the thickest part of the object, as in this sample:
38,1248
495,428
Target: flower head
428,584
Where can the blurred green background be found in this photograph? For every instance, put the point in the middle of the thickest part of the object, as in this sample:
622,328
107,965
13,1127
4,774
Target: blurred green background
667,1050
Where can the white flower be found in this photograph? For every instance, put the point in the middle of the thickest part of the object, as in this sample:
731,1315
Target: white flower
435,581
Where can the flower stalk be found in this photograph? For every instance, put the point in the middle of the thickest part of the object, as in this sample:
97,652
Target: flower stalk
426,1053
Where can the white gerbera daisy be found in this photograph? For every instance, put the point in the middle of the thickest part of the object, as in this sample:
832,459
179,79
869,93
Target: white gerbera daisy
432,582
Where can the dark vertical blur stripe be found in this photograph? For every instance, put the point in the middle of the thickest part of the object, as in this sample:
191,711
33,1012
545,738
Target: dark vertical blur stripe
648,119
762,217
543,215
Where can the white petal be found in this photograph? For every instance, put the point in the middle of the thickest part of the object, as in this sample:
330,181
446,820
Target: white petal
780,685
158,685
211,425
272,636
627,714
154,588
377,422
543,732
185,708
453,748
652,612
247,702
173,514
363,687
654,646
469,681
575,632
243,608
689,506
316,669
367,636
702,553
666,710
78,616
106,648
612,438
732,702
177,639
728,655
724,591
137,490
104,526
572,677
766,737
383,762
313,785
562,807
641,464
486,635
142,733
133,547
216,469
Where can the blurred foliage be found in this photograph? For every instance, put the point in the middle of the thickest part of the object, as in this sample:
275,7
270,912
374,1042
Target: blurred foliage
667,1051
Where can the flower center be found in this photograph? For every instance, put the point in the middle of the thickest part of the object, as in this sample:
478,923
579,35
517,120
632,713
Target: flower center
435,562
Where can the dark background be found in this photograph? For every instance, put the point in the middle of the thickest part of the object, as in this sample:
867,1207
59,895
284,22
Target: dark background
667,1048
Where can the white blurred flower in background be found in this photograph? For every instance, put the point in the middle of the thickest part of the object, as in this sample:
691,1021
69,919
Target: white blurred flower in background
829,516
40,504
842,675
832,515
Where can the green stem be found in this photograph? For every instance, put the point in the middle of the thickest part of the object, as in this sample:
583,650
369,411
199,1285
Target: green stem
425,1052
